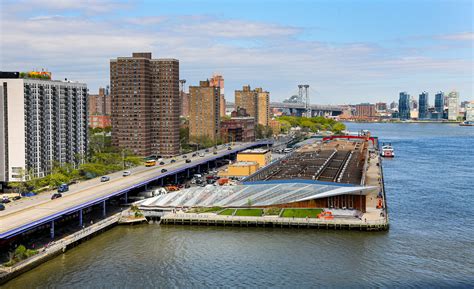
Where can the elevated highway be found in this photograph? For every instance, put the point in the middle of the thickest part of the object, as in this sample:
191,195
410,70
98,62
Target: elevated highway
19,217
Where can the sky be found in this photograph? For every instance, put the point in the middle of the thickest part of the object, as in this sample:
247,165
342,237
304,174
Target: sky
347,51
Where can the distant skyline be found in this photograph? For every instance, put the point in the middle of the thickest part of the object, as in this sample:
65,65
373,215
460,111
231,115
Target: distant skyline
347,51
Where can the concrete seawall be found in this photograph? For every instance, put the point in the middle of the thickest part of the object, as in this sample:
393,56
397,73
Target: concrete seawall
56,248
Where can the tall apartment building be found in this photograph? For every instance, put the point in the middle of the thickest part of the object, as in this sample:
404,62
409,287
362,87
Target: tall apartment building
364,110
100,104
404,106
453,105
100,108
218,81
256,102
204,111
145,104
423,105
439,102
42,122
184,100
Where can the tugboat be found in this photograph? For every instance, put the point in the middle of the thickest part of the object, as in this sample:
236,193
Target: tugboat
387,151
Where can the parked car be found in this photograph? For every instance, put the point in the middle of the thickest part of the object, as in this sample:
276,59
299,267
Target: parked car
56,195
164,170
2,207
5,200
105,179
188,161
16,198
63,188
126,173
162,163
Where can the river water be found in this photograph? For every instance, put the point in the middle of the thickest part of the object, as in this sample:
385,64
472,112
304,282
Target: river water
430,243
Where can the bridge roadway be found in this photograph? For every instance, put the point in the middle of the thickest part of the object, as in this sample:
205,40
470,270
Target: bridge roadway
28,213
300,106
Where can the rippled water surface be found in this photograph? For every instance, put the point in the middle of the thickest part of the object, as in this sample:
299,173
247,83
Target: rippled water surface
430,243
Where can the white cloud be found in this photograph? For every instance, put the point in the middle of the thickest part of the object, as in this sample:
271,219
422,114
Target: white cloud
256,53
463,36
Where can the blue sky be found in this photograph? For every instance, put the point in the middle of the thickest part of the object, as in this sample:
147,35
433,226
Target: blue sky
347,51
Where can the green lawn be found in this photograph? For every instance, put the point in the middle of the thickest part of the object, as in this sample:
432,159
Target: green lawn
301,213
249,212
227,212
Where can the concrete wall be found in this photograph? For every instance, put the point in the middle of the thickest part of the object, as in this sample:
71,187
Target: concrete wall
16,127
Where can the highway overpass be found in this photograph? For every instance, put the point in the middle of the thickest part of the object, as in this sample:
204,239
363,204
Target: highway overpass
30,213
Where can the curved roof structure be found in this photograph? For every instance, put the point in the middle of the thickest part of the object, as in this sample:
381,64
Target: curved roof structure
259,194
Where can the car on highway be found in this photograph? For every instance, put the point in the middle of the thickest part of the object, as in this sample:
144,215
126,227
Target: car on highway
215,152
56,195
5,200
185,157
162,163
16,198
193,155
188,161
105,179
63,188
229,148
164,170
172,161
2,207
207,150
126,173
201,155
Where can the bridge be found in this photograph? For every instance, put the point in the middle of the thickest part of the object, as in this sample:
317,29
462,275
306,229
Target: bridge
41,213
298,109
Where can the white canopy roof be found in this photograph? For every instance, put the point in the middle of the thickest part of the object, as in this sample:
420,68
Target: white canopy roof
270,193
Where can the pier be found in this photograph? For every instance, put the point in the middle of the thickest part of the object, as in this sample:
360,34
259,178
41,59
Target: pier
273,221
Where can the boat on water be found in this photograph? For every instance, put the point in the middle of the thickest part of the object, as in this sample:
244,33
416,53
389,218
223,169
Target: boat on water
387,151
467,123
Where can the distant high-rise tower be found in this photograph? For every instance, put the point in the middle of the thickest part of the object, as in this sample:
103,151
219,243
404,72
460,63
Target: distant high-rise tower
204,111
256,102
423,105
404,106
145,104
218,81
453,105
439,102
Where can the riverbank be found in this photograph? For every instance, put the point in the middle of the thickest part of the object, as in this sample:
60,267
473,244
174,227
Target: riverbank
60,246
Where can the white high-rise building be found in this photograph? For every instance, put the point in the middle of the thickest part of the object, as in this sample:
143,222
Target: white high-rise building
453,105
42,122
470,111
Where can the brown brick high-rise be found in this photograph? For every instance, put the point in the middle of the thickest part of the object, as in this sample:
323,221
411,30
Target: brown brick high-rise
145,104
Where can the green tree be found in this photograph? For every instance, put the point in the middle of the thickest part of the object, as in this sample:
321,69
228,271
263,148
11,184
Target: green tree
337,128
